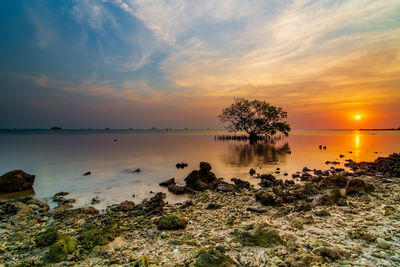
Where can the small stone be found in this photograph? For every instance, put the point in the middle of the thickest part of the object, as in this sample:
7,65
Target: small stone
382,243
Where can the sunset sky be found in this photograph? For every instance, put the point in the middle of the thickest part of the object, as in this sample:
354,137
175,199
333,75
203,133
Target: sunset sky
145,63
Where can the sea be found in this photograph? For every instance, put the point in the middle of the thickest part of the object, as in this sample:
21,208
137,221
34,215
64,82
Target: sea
59,158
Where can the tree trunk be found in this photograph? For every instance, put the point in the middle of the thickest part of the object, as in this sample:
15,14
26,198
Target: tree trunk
253,138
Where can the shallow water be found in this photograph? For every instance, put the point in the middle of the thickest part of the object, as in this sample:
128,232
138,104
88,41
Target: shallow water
59,158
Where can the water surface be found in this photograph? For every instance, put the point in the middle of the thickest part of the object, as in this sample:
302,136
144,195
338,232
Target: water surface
59,158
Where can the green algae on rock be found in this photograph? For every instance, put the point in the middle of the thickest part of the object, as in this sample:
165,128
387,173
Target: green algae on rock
48,237
212,257
171,222
262,236
60,249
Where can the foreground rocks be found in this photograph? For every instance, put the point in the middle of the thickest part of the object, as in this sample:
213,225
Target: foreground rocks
15,181
333,221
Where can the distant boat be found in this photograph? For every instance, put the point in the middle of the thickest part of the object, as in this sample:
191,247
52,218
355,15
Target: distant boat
56,128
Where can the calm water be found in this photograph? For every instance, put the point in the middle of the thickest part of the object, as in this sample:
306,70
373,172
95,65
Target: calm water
59,158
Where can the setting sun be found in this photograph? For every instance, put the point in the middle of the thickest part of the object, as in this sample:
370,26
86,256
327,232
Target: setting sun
358,117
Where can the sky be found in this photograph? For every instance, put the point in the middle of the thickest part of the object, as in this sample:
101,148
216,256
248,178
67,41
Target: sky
175,63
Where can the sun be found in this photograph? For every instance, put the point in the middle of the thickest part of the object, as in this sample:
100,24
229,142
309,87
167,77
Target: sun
358,117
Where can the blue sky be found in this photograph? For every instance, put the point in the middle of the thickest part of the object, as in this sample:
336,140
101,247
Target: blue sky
127,63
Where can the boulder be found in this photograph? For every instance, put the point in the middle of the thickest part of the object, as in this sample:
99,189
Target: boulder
334,181
240,183
222,186
212,257
176,189
123,206
15,181
358,186
262,236
167,182
171,222
265,198
154,205
202,179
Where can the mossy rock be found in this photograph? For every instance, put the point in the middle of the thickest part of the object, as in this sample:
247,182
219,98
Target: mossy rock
296,224
171,222
48,237
263,237
322,213
211,258
60,249
93,235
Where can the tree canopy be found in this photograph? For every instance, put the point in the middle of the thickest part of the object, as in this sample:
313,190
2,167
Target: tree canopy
255,117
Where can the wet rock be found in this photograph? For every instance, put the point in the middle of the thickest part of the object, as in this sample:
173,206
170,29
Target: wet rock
265,198
382,243
327,252
305,176
334,181
75,213
123,206
306,169
221,186
262,236
202,179
48,237
212,257
93,234
268,180
334,196
15,181
87,173
95,200
176,189
171,222
187,203
358,186
361,234
252,171
60,249
181,165
303,207
167,182
154,205
239,183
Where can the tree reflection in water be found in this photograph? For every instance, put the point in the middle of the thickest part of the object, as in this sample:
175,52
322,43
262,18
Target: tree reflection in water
246,154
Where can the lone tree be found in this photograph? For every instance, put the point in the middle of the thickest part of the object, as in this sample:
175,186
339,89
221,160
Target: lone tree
255,117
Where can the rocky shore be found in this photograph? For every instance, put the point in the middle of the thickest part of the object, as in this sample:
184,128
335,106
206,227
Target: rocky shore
333,217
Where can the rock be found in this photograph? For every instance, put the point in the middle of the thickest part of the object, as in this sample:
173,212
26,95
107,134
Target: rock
212,257
213,206
95,200
187,203
265,198
305,169
322,213
358,186
181,165
257,209
252,171
87,173
201,180
334,181
330,253
15,181
154,205
167,182
389,210
60,249
268,180
296,224
222,186
263,237
239,183
123,206
330,198
382,243
93,234
75,213
48,237
176,189
171,222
